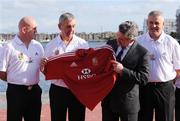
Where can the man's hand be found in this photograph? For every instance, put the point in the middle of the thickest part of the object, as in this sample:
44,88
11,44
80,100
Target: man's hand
178,73
3,76
42,64
117,67
177,76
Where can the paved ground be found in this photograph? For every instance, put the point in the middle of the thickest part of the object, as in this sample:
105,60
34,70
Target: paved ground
94,115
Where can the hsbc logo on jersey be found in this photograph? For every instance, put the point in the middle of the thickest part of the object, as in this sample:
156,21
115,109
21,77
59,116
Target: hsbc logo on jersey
86,73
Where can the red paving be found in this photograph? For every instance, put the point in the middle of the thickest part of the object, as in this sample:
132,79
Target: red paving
94,115
2,115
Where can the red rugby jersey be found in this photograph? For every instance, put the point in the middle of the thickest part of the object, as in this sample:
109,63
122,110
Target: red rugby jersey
87,72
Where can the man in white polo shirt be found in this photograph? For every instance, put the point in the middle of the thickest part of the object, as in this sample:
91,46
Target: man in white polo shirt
20,66
164,52
61,98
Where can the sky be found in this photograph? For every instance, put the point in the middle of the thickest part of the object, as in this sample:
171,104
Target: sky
92,15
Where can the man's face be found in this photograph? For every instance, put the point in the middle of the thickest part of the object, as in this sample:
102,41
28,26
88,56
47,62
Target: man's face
67,28
122,40
155,26
31,30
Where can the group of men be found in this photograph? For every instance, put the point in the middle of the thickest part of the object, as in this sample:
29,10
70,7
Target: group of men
147,68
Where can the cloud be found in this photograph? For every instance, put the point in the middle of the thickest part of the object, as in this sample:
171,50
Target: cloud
92,15
47,25
165,0
33,3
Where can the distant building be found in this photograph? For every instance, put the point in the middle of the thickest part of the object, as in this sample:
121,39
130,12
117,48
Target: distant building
178,23
169,26
43,37
5,37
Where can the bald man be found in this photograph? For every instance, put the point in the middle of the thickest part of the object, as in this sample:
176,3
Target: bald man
19,66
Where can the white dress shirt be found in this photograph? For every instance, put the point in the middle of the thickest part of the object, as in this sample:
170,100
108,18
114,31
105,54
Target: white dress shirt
125,50
1,50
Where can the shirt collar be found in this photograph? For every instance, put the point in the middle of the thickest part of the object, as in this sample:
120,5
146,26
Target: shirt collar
126,48
61,41
130,44
159,40
19,41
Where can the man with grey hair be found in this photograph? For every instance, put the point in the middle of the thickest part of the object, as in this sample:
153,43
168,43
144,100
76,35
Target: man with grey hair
133,69
164,52
61,98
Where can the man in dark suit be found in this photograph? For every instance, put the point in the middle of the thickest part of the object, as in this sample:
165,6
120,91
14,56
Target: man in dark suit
133,70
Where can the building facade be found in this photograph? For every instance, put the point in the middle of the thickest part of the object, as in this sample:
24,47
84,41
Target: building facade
43,37
178,23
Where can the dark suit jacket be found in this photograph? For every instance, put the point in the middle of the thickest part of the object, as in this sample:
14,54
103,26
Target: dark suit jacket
124,96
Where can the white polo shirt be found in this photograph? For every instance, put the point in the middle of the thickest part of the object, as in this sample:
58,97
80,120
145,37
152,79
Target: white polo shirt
1,50
22,64
57,46
164,56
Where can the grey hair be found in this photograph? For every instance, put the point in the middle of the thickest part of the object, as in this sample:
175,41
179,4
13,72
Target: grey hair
66,16
155,13
129,29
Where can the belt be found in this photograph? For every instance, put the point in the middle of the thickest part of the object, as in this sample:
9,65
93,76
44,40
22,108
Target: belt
26,87
159,83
